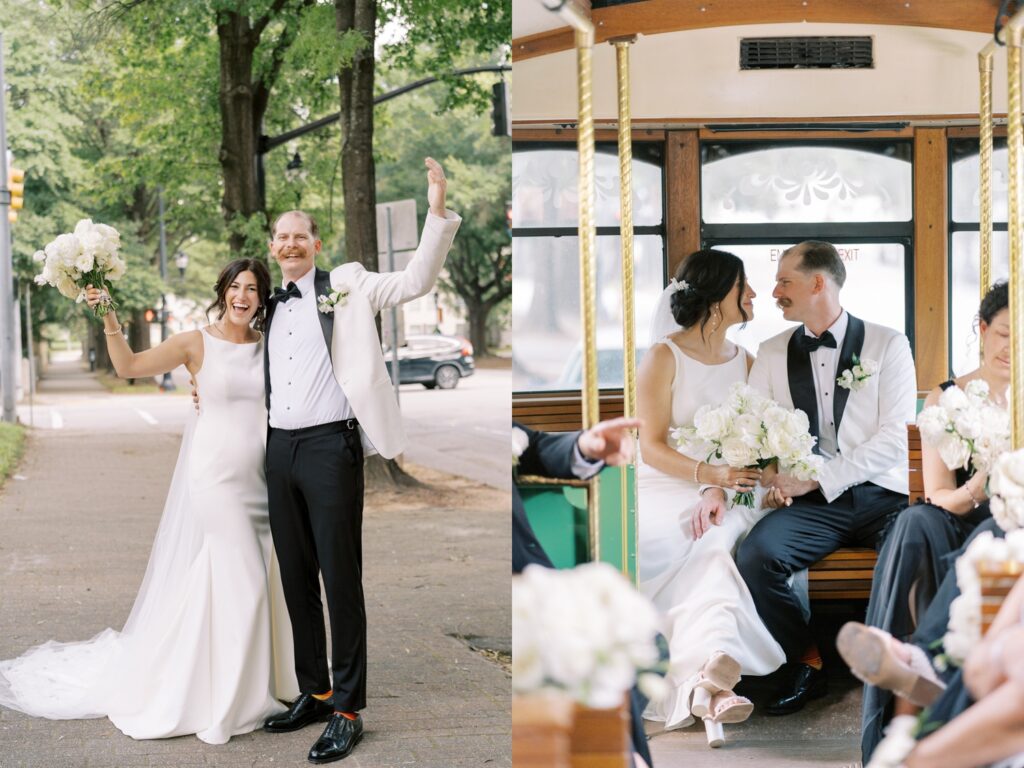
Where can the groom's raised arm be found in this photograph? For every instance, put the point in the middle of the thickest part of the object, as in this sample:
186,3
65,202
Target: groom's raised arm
385,290
897,401
388,289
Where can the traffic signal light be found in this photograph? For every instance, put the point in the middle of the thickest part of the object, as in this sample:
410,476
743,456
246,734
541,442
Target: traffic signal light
508,218
500,110
16,185
151,315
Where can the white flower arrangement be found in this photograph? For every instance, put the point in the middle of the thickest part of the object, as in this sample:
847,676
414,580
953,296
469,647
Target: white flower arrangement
856,378
897,745
327,303
966,427
585,632
748,430
87,256
964,630
1006,484
679,285
520,442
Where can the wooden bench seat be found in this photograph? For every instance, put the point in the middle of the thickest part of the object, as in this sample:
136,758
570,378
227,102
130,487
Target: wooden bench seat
844,575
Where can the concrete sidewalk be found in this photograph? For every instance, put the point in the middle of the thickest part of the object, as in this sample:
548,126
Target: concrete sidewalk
76,537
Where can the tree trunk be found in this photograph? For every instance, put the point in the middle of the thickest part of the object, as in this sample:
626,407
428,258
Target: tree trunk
478,314
241,118
99,341
359,181
358,176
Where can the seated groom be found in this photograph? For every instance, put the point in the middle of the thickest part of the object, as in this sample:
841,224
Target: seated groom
859,416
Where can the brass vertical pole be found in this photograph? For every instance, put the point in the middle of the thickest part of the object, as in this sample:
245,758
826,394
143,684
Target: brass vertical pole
985,57
1015,142
621,45
588,263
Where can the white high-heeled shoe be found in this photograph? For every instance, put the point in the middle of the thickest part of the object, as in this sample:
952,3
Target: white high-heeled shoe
720,672
725,707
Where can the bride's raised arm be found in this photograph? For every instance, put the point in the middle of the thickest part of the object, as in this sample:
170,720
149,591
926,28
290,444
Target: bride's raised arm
181,349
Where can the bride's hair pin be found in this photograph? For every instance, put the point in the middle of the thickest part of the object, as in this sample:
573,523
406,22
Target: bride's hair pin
679,285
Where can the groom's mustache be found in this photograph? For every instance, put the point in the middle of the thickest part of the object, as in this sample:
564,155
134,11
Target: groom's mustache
783,303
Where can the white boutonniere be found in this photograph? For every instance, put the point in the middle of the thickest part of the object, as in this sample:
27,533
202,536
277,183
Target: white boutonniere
856,377
328,303
520,441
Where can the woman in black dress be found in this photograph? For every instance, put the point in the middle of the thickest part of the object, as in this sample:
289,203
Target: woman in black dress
915,555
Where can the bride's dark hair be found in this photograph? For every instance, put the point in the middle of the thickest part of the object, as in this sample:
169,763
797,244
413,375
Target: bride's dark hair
228,275
709,276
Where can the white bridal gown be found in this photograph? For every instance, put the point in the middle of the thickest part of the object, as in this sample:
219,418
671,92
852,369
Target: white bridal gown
207,647
694,583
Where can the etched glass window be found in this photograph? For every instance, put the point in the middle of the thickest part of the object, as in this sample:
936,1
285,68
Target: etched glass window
545,191
761,184
965,244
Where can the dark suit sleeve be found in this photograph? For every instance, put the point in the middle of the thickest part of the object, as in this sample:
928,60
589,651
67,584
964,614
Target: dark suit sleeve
548,454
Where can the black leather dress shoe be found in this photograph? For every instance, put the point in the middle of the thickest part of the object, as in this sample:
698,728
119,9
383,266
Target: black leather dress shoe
803,683
338,739
304,710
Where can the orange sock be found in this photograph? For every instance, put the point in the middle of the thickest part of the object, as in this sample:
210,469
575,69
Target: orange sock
323,696
347,715
812,657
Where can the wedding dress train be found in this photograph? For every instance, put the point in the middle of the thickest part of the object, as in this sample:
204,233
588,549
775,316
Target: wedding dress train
207,646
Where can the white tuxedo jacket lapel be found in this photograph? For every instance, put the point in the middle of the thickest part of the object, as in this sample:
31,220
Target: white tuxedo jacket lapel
356,354
872,433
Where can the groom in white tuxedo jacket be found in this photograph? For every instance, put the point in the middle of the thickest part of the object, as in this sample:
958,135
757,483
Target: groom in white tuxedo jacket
330,401
861,431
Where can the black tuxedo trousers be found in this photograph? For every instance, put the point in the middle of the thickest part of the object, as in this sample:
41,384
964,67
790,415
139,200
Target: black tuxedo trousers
789,539
315,488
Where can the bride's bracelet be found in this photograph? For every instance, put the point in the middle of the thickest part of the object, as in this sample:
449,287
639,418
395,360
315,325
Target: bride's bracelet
967,487
114,332
696,469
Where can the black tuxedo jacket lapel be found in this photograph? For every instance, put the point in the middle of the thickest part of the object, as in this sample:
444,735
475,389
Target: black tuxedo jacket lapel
271,306
853,343
801,381
322,286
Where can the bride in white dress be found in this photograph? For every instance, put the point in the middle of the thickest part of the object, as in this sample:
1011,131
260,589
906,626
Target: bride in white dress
207,647
687,539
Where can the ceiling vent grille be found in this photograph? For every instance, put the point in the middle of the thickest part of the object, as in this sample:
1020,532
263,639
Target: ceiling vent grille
806,53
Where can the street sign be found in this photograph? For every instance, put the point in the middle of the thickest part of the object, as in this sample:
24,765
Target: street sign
404,230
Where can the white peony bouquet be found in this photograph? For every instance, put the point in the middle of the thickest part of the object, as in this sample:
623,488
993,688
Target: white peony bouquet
749,430
1006,486
87,256
585,632
966,427
964,630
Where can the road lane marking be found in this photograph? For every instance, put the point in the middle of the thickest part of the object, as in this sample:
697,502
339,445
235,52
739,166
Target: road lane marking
56,419
146,417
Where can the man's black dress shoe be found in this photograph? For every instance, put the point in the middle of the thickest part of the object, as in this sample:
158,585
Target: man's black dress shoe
338,739
803,683
304,710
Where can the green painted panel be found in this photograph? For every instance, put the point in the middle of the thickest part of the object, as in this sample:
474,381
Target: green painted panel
558,516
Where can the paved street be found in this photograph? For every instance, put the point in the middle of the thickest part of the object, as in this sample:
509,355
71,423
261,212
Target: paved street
463,431
78,521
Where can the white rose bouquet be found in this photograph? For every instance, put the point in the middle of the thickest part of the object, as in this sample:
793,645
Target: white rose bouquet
87,256
966,427
964,630
585,632
751,430
1006,484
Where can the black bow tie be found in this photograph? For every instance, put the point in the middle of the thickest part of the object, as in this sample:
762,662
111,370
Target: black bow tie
809,343
293,292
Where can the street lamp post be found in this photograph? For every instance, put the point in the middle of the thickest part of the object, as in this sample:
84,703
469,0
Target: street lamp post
167,383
